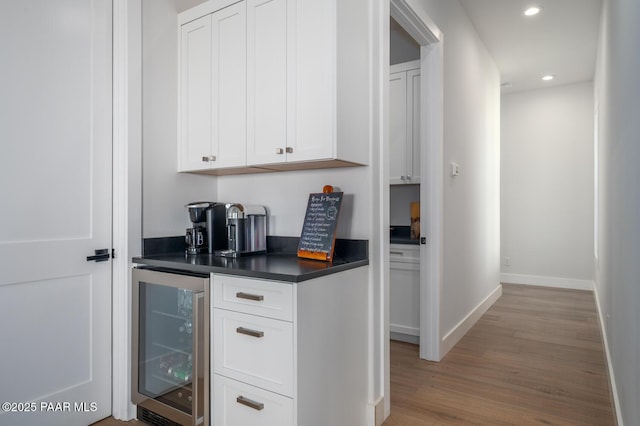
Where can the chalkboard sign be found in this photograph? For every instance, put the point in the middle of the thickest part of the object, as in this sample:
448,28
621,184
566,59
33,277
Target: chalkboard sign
319,229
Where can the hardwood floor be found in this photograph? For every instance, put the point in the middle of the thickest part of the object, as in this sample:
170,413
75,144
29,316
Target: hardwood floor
536,357
110,421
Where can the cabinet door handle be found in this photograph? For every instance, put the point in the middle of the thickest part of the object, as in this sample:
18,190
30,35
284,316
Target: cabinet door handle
279,151
249,332
289,150
250,403
249,296
208,158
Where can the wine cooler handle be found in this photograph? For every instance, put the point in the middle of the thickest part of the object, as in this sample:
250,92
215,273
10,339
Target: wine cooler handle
199,355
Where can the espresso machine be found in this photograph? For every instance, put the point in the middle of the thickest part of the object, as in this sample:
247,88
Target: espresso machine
208,232
246,230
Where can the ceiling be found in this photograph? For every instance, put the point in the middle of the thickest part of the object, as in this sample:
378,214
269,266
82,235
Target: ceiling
561,40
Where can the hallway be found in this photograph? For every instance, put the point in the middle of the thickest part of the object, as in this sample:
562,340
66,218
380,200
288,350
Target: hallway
536,357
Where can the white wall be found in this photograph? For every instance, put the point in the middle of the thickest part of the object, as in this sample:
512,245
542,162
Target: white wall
401,197
285,194
617,97
547,185
471,267
164,191
403,48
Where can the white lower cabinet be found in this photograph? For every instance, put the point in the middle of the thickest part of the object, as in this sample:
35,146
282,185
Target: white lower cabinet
404,292
254,349
290,354
237,403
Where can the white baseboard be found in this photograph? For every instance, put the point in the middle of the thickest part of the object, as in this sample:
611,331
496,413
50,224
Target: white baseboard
453,336
404,329
612,377
376,412
407,338
544,281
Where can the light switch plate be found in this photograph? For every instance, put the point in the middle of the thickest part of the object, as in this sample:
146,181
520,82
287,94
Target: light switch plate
455,169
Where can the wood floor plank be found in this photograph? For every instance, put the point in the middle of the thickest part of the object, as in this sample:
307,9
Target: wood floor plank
535,358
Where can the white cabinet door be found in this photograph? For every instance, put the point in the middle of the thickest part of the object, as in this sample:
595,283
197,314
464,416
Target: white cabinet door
195,95
404,289
404,125
398,127
413,125
315,67
55,185
267,77
404,298
229,101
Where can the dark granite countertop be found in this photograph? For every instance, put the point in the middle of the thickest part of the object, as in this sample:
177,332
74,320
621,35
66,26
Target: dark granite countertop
279,263
401,235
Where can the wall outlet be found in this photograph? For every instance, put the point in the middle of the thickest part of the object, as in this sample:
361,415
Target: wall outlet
507,261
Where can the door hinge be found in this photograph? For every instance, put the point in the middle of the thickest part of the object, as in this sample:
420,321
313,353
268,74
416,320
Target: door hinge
101,255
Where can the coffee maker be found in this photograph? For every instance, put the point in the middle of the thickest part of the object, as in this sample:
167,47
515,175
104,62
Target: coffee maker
246,230
208,233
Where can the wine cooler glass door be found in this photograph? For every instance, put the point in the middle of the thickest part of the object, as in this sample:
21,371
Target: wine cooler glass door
170,348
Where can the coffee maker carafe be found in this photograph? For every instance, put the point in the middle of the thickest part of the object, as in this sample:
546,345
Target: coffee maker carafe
209,227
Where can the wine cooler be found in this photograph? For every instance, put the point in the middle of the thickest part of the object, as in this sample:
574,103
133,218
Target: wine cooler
170,347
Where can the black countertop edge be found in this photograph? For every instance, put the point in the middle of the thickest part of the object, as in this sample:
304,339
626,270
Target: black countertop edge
406,241
298,277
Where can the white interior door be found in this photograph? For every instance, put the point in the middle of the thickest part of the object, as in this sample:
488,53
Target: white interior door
55,187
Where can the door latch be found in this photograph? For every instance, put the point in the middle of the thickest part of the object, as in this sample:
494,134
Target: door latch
101,255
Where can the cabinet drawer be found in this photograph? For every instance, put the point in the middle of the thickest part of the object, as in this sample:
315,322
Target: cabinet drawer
257,297
253,349
404,253
238,404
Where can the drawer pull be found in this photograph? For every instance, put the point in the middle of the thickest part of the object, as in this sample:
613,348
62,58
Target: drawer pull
249,296
399,253
249,332
249,403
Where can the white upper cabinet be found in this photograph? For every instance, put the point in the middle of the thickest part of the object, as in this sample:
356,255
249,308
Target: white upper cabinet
404,123
268,74
195,89
212,117
229,91
306,86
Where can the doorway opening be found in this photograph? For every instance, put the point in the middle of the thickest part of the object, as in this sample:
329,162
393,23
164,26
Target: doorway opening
416,35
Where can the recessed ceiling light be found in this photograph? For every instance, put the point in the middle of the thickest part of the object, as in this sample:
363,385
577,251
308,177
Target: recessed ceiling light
548,77
532,11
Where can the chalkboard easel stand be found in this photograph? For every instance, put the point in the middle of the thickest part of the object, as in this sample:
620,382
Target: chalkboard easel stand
319,228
